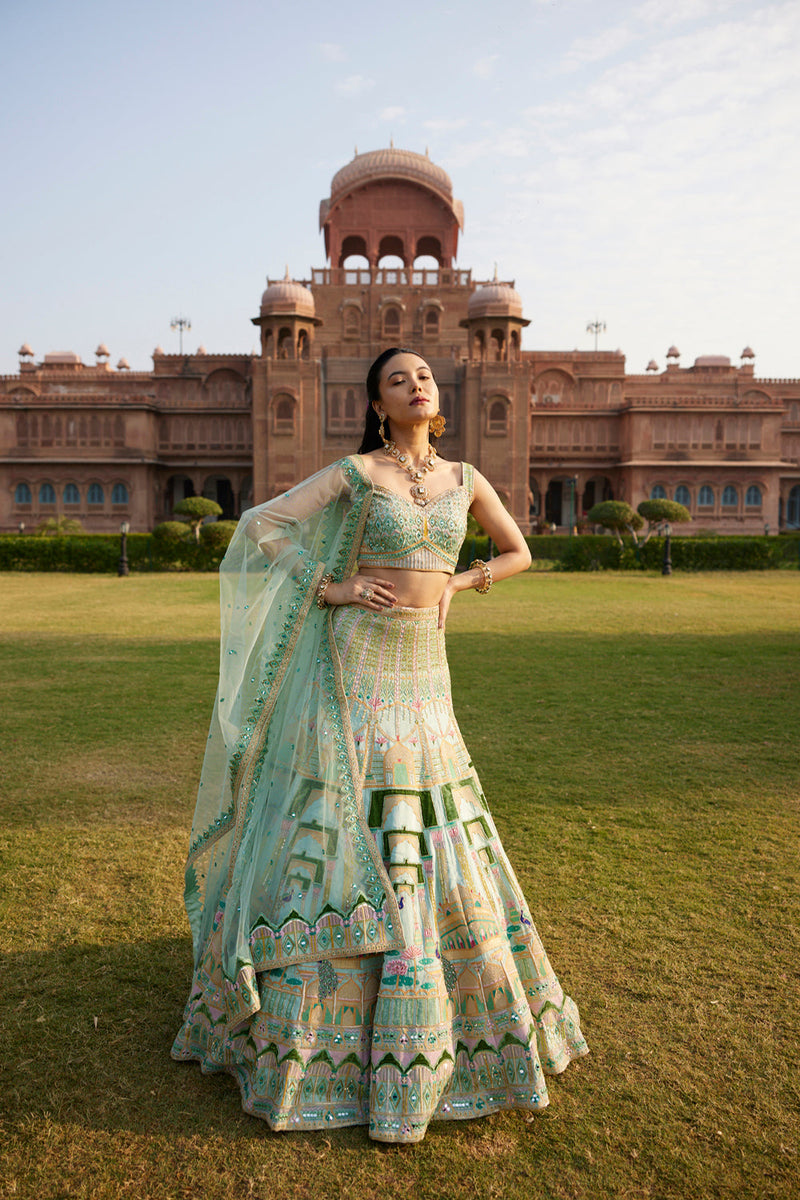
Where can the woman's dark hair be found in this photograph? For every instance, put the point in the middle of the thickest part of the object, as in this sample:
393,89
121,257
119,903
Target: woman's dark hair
372,438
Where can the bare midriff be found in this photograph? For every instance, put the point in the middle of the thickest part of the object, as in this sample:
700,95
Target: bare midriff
412,589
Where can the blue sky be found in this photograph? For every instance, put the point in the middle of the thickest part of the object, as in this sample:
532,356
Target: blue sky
633,162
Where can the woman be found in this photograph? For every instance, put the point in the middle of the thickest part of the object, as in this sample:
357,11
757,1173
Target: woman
363,952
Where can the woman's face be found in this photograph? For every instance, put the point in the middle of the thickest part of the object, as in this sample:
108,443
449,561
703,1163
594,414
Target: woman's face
408,391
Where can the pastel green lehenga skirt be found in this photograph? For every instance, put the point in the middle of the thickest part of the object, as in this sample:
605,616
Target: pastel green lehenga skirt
470,1018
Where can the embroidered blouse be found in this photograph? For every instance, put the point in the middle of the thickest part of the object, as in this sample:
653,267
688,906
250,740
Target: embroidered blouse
399,533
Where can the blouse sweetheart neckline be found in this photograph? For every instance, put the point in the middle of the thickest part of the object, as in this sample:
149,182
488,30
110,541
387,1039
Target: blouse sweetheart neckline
377,487
459,487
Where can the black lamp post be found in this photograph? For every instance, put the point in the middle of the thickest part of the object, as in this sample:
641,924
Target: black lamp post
666,568
123,568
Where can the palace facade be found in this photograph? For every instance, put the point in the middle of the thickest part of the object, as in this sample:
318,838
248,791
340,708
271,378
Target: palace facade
553,431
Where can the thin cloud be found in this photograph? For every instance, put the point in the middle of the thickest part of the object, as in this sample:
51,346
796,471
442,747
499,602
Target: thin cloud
354,85
332,51
484,67
595,49
443,125
393,113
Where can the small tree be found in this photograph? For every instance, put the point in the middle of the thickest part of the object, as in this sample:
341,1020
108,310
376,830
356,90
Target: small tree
616,516
59,527
196,509
658,513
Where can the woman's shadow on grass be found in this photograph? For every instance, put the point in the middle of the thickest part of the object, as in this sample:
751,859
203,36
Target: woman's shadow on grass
88,1037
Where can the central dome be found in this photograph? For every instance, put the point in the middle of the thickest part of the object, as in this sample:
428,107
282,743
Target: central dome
392,164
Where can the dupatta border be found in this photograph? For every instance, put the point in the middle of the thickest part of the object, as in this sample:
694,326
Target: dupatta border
248,758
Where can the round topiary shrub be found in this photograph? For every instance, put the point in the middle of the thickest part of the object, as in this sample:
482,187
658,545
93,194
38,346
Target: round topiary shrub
59,527
171,533
217,534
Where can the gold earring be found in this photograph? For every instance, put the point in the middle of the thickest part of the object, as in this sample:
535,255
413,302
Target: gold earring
382,428
437,425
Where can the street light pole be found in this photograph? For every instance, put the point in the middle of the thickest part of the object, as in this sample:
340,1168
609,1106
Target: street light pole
123,568
180,323
666,568
596,327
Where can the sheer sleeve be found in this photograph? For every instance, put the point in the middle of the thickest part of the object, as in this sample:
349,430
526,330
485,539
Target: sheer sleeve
281,866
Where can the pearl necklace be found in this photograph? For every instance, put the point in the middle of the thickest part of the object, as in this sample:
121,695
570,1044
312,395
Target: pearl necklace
419,492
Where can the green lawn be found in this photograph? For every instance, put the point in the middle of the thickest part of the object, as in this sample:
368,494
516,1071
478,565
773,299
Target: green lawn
637,738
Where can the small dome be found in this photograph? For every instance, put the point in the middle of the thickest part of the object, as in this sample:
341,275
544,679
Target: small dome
123,365
202,350
673,352
159,350
102,351
652,365
25,351
287,296
495,299
748,353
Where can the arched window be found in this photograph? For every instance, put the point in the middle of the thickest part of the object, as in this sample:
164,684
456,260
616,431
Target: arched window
479,350
730,497
283,415
391,322
497,344
752,497
792,507
682,495
391,247
303,345
705,497
96,495
430,326
22,494
353,247
351,322
284,343
658,492
429,247
119,494
497,417
47,494
71,495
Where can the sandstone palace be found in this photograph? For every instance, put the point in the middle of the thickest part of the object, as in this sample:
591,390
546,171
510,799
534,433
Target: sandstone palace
553,431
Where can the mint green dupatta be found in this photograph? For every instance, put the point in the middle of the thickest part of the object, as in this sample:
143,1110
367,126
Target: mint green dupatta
282,866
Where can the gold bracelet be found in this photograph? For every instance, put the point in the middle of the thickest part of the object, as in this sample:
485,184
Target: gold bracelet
486,571
322,588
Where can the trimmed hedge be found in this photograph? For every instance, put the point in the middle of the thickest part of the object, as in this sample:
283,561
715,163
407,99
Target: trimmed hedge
742,553
99,552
